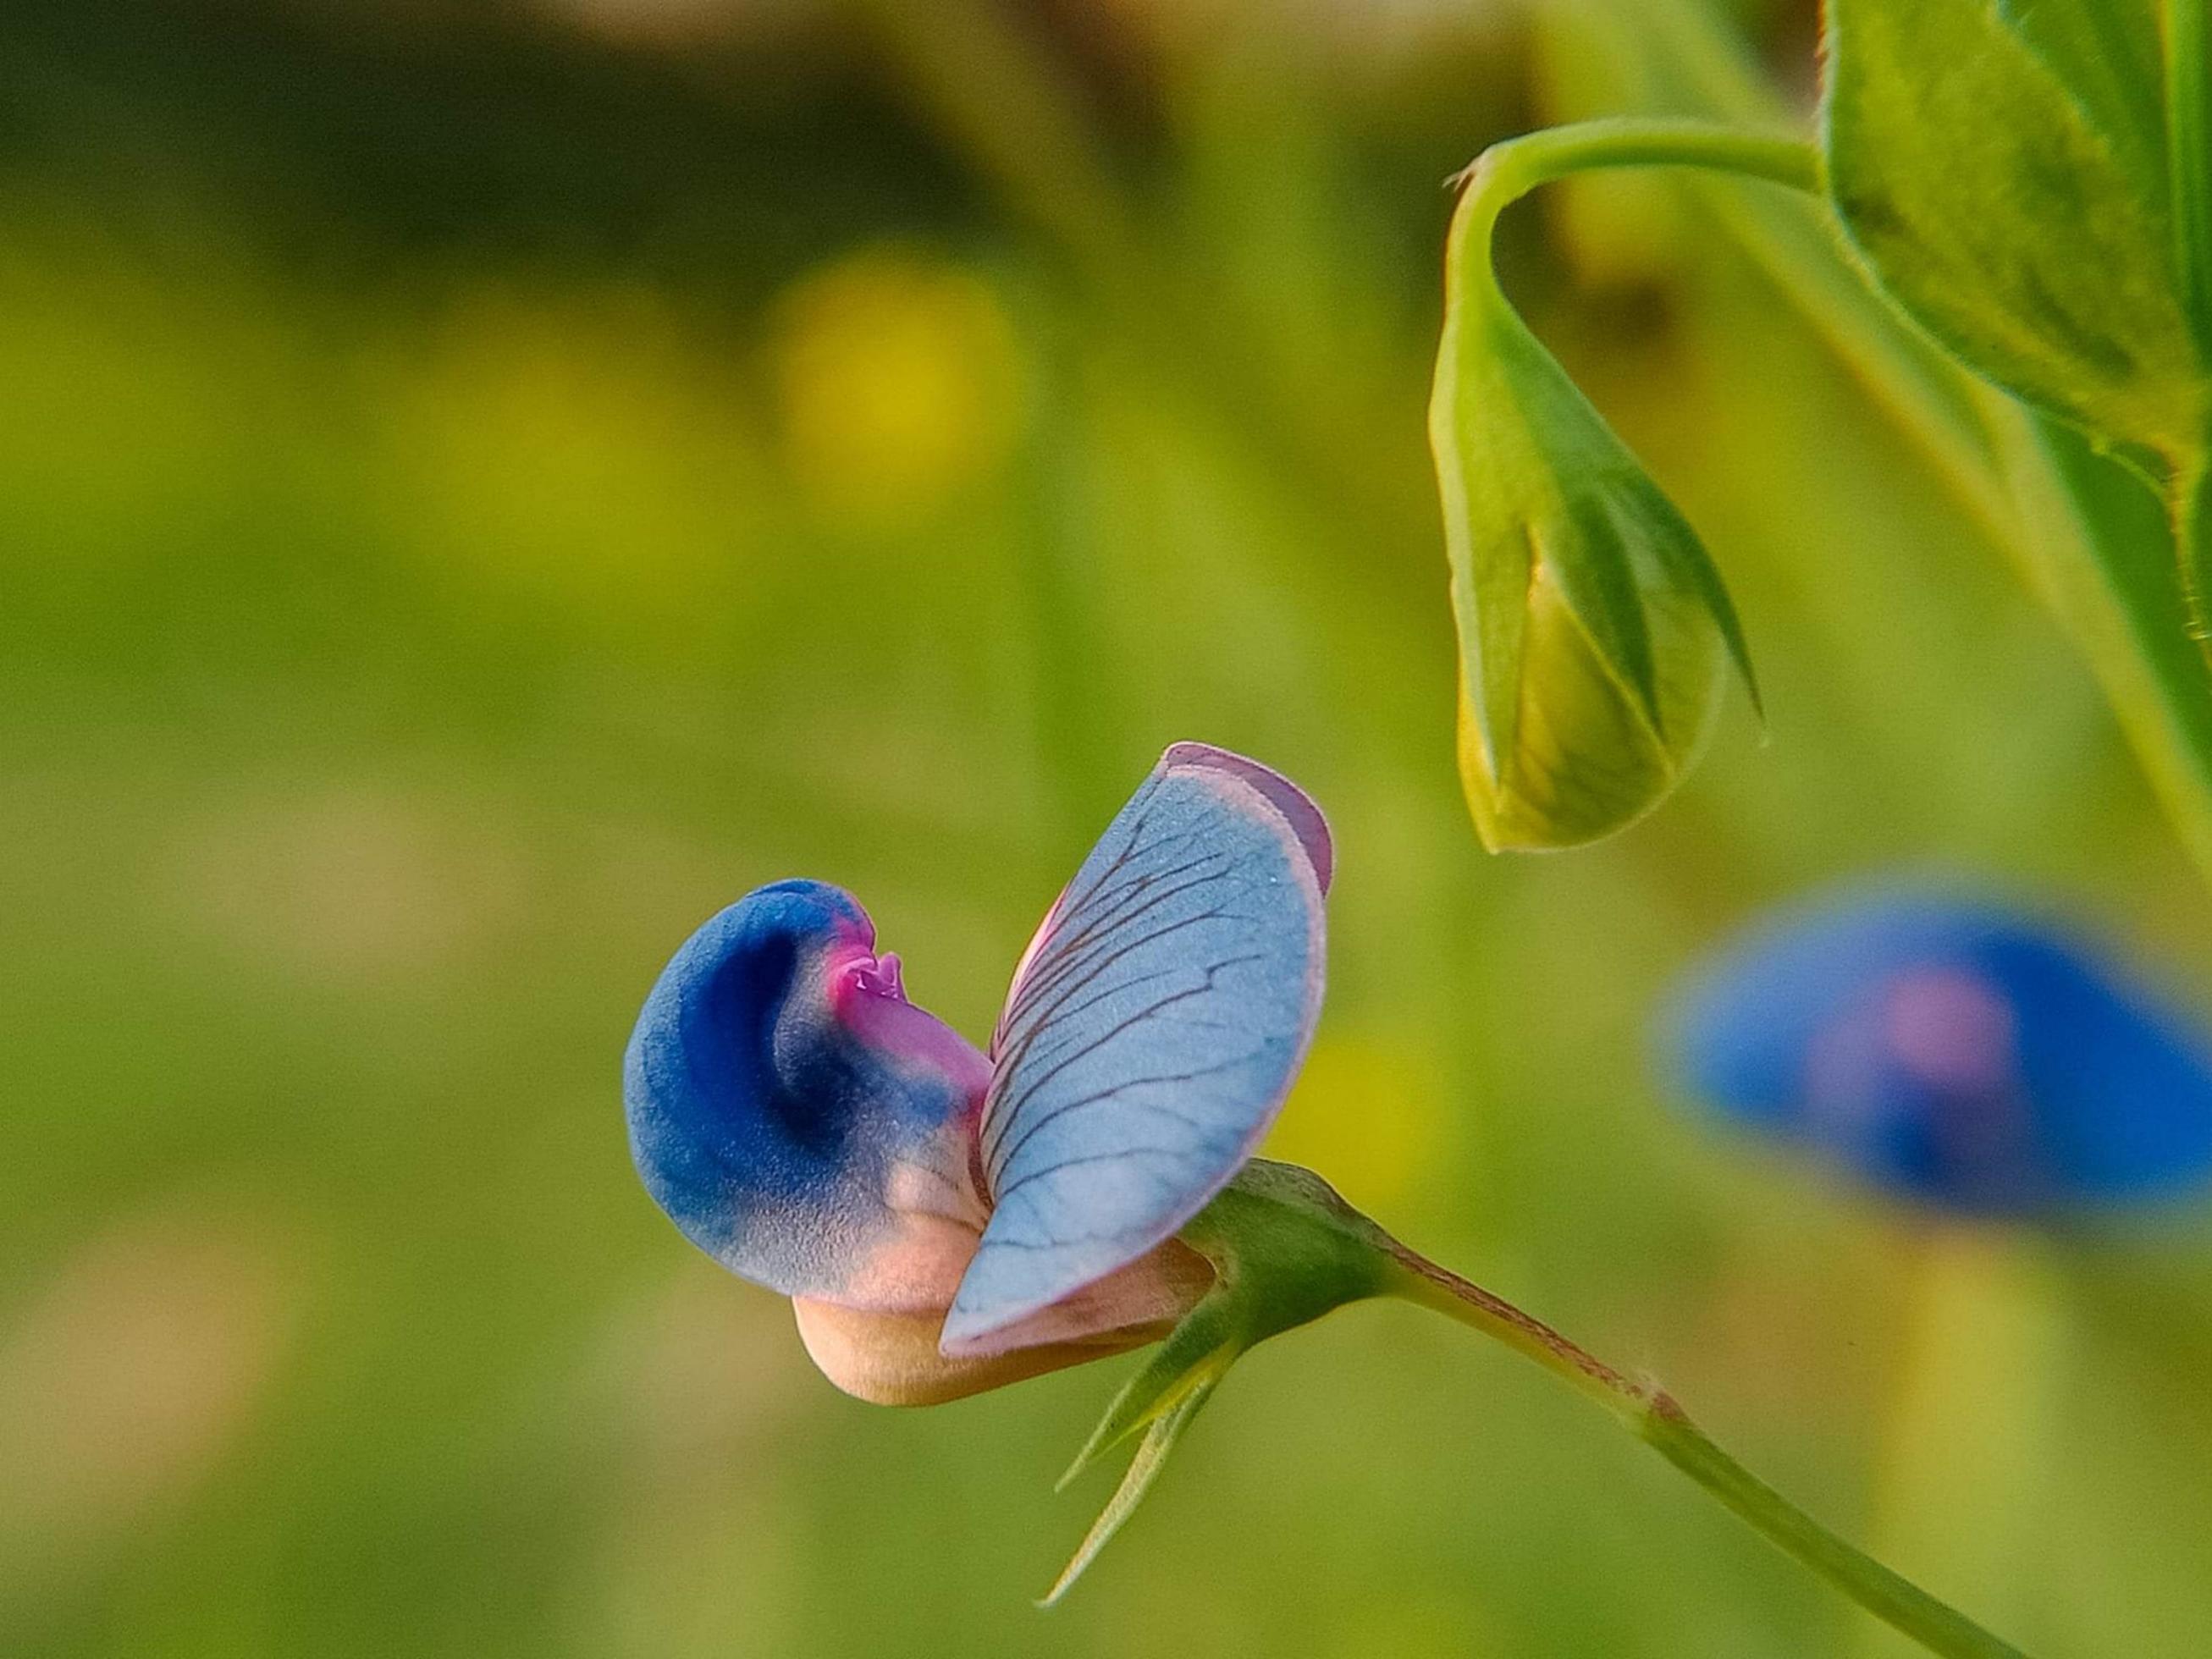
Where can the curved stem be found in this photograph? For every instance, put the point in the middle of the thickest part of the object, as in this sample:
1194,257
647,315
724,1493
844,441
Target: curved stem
1653,1416
1507,172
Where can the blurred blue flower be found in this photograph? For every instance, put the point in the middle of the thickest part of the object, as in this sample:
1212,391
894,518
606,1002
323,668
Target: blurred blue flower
945,1221
1951,1049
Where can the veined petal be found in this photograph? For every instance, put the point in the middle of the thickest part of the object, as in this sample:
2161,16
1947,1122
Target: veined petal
1952,1050
1153,1027
797,1117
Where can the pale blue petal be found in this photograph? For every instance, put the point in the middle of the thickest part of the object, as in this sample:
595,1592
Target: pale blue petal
1151,1032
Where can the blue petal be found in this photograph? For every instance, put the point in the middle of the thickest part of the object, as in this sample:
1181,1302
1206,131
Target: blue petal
797,1117
1151,1032
1952,1050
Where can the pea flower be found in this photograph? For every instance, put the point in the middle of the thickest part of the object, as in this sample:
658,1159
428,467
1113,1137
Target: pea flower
945,1219
1952,1050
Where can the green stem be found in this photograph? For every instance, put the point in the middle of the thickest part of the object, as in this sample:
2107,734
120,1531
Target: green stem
2099,550
2189,505
1896,1600
1507,172
2189,150
1654,1417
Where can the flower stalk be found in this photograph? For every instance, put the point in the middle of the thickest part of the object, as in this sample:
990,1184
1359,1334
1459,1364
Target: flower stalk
1655,1418
1286,1248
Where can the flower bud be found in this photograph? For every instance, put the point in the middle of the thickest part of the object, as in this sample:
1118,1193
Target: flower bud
1594,631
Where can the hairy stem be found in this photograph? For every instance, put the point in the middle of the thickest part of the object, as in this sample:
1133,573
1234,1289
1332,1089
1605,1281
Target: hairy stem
1654,1417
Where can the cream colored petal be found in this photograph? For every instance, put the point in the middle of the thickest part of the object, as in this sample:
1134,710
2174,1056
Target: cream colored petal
1153,1293
892,1358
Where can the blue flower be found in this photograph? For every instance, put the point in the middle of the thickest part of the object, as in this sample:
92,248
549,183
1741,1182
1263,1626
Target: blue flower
945,1219
1952,1050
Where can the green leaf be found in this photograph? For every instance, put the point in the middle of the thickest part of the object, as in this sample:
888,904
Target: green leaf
2106,54
1195,1356
2018,215
2096,543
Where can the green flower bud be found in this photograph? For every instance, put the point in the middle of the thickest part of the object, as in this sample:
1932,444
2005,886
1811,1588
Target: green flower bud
1594,632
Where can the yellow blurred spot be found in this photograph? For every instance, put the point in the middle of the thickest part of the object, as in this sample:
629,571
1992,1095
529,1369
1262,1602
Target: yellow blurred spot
1620,230
1367,1115
898,380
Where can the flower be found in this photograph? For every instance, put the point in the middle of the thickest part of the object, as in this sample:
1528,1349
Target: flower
945,1220
1952,1050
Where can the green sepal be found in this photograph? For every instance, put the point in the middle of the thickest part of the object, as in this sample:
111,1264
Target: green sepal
1143,1469
1285,1249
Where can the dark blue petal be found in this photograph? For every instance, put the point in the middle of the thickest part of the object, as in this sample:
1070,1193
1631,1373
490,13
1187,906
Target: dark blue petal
1952,1049
796,1116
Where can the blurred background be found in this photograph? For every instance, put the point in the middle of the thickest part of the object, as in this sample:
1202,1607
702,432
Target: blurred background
481,486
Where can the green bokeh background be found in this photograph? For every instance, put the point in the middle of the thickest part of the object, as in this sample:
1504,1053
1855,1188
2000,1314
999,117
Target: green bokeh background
481,487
